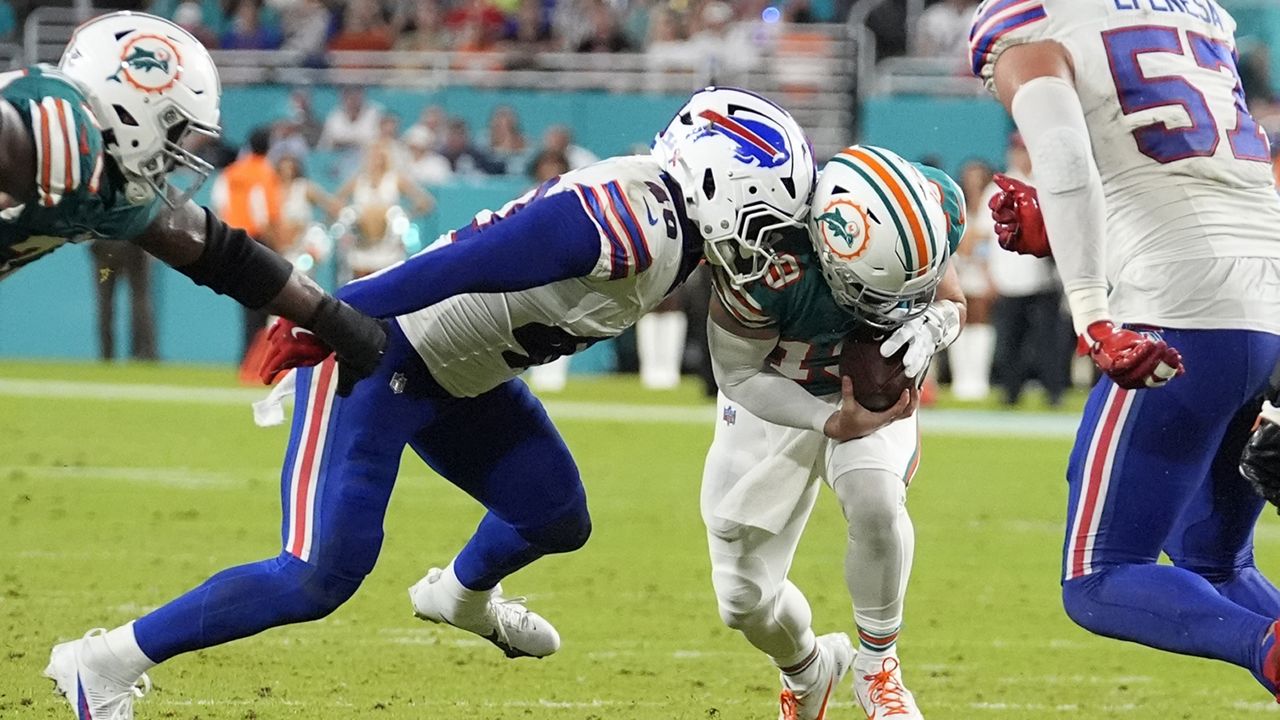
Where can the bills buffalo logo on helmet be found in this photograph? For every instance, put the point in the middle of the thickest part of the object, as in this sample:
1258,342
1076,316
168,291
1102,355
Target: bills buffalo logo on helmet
757,140
150,63
846,235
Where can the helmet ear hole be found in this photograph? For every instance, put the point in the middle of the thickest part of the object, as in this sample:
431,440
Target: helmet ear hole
790,185
708,184
125,116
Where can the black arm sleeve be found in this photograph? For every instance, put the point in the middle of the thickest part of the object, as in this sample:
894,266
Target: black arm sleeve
236,265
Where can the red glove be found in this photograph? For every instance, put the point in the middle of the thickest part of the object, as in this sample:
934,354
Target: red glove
1133,360
1019,224
290,345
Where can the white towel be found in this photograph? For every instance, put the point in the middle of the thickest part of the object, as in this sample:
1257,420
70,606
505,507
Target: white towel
768,494
269,411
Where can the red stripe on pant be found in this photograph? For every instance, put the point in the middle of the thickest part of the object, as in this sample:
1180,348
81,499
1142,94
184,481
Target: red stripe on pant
1102,447
312,448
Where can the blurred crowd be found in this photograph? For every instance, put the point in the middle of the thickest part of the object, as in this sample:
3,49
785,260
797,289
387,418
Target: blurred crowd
312,27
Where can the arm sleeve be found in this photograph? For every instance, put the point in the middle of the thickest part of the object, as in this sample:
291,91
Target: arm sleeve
550,240
738,363
1051,120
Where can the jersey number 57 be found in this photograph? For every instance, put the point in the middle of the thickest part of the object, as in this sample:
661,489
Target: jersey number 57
1138,91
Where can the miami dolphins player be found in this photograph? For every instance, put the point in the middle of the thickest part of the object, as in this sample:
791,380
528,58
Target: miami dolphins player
572,262
873,264
1157,201
88,148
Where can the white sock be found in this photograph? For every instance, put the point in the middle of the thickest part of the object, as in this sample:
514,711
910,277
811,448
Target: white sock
675,326
116,655
551,377
465,603
648,331
971,362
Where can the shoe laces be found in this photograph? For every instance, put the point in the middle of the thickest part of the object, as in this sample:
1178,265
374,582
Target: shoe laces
886,690
512,612
137,690
789,705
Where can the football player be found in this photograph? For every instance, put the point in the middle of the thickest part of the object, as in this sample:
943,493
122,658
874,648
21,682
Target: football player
1159,206
873,266
88,149
575,261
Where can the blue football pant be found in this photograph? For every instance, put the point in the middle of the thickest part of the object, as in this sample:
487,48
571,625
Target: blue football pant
338,473
1156,470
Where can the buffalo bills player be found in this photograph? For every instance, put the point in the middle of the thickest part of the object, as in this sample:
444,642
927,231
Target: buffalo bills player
575,261
1158,204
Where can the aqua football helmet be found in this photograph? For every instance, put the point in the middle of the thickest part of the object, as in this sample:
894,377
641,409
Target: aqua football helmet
150,83
746,171
881,235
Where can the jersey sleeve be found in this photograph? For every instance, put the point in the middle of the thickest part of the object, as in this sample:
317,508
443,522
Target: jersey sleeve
66,135
750,304
629,231
1001,24
951,197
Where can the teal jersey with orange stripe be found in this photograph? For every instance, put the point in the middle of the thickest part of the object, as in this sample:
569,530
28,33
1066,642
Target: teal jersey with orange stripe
794,298
79,193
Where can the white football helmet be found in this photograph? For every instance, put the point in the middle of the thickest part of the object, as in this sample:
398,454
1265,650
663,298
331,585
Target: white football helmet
881,235
150,83
746,170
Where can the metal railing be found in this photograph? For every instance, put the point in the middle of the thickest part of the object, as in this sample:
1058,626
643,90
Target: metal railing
809,71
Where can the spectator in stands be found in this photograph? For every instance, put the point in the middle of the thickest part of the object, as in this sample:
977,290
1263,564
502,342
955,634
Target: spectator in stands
247,196
380,184
552,376
1033,336
666,48
722,50
529,29
302,241
548,164
423,164
190,17
425,32
113,260
477,25
246,31
298,131
943,30
353,124
507,143
605,35
389,134
431,122
364,27
463,156
971,357
306,27
559,138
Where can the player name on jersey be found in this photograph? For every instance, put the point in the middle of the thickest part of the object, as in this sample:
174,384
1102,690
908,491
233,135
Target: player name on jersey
1202,10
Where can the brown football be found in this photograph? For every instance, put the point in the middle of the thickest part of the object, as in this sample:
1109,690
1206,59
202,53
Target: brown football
878,381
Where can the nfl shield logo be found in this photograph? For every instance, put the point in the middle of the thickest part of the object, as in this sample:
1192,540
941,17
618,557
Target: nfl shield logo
730,415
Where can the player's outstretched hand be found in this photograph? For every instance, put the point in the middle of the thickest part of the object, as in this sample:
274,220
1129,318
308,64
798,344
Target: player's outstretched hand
853,421
1131,359
358,340
1019,224
289,346
1260,462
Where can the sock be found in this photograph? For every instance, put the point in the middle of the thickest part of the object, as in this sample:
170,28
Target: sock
802,667
877,643
495,551
673,329
971,362
647,342
116,655
467,604
551,377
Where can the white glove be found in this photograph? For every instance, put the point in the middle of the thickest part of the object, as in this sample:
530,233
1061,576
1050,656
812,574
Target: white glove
924,336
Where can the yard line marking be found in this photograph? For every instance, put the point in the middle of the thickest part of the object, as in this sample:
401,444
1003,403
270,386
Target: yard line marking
173,476
983,423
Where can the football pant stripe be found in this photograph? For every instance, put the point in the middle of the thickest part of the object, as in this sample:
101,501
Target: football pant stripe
317,479
307,463
1098,470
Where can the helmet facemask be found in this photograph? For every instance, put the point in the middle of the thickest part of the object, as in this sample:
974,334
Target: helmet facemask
151,177
876,308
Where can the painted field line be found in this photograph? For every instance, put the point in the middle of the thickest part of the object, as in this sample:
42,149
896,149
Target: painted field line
941,422
171,476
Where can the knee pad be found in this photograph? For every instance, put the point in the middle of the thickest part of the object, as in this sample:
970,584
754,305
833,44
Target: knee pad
311,591
741,597
565,534
872,500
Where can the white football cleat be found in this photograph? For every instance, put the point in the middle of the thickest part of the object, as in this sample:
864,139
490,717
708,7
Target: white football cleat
878,688
835,655
505,622
92,695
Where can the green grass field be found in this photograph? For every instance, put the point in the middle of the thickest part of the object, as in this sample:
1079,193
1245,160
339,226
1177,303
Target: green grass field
111,504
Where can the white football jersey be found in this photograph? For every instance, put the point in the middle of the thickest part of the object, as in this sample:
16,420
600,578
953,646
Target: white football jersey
1185,169
474,342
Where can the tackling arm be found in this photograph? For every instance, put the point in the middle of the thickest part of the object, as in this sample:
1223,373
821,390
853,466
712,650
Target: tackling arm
197,244
738,355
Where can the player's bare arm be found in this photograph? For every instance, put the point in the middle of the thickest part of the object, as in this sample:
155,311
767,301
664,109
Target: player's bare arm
738,355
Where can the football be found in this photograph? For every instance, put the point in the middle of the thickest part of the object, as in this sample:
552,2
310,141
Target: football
878,381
